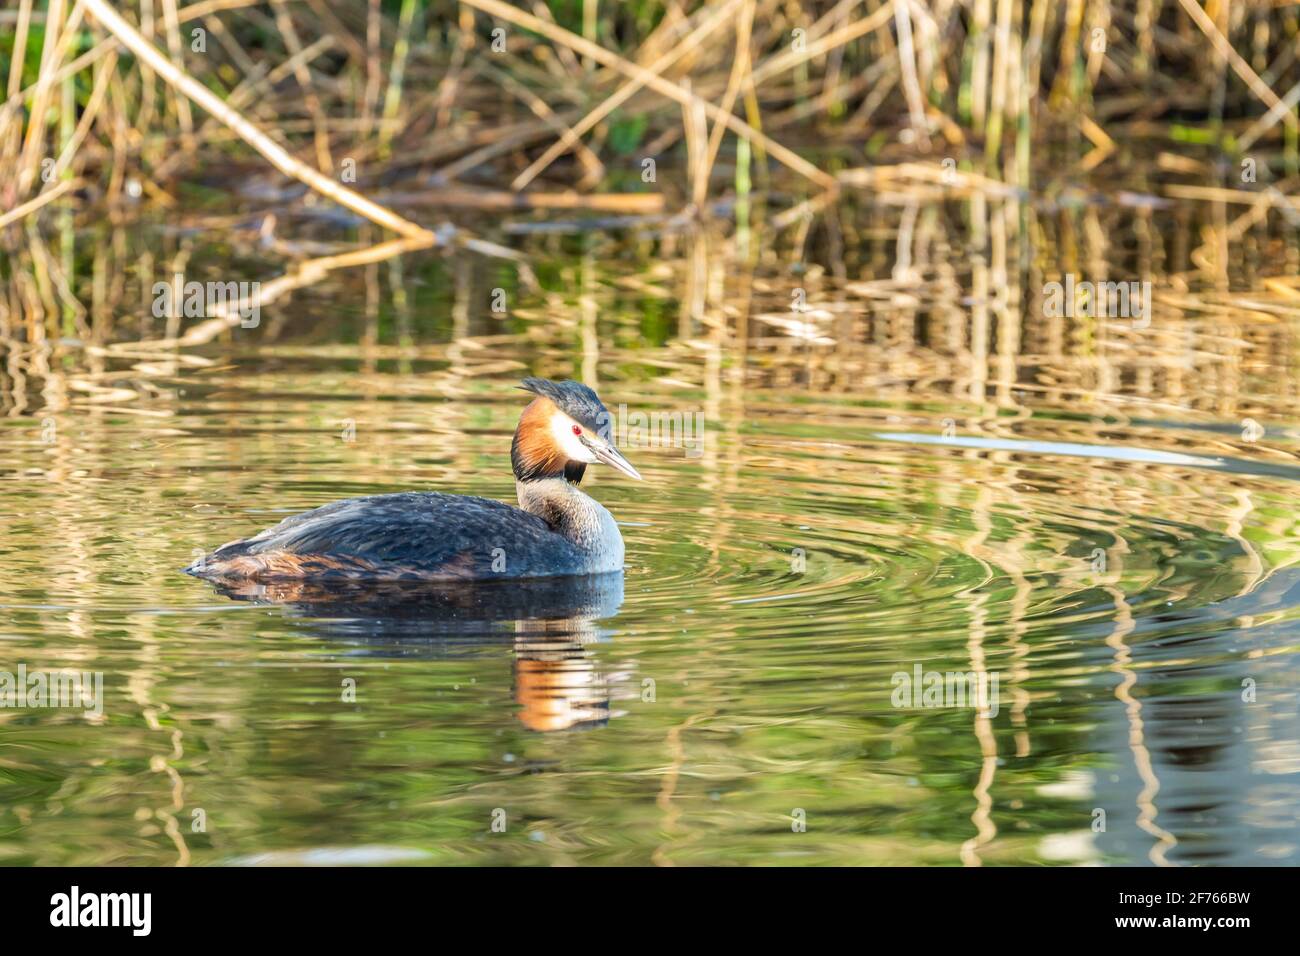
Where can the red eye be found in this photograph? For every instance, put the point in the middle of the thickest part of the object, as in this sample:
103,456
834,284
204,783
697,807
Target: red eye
577,430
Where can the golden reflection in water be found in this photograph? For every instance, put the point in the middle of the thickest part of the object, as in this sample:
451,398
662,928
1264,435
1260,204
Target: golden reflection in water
558,684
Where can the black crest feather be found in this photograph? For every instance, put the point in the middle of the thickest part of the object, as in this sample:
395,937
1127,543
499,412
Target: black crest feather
574,399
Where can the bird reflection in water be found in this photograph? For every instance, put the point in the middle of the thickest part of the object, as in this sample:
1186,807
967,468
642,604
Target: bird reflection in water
551,623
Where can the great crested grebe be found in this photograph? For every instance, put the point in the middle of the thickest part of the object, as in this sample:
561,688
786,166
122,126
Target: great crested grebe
556,530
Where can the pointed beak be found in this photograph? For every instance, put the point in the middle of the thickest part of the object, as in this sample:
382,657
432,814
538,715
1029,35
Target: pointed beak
606,452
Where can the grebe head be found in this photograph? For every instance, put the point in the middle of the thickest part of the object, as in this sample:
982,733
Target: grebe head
564,429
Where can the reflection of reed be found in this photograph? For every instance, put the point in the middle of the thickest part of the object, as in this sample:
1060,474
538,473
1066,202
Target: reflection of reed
982,816
309,272
1123,658
670,776
1236,525
141,690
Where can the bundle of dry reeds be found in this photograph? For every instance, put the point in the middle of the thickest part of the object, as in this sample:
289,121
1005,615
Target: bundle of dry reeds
539,98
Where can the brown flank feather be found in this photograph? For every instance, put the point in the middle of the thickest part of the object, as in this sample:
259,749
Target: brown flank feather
270,566
273,565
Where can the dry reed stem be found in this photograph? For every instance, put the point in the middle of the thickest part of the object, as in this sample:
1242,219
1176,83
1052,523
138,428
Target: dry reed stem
639,204
18,212
370,96
741,72
874,176
1269,119
207,7
1001,80
451,78
250,134
396,71
51,55
907,65
172,22
88,115
1220,194
20,47
697,135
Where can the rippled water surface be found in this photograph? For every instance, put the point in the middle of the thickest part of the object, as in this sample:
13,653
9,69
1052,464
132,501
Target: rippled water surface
917,475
